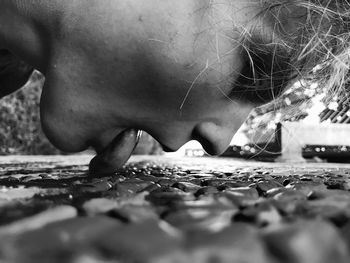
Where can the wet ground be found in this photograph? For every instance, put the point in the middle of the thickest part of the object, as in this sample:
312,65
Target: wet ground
163,210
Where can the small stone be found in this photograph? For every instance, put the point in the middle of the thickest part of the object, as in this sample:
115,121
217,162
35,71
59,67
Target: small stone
200,219
262,214
236,243
232,184
286,182
133,213
147,178
135,184
288,201
128,188
207,202
59,240
151,187
246,191
221,182
209,190
186,186
264,186
334,208
166,182
142,242
202,175
196,181
168,195
135,200
242,196
40,220
99,206
316,195
306,242
29,178
98,185
335,183
274,191
306,187
290,196
9,194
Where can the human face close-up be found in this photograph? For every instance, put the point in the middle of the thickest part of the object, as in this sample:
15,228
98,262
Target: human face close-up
113,67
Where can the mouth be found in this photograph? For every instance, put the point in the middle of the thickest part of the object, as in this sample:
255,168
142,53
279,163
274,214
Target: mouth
167,149
116,153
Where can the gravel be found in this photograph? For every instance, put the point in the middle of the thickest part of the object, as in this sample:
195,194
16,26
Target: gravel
187,210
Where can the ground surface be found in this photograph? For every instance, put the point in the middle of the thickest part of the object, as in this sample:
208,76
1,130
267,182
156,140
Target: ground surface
163,210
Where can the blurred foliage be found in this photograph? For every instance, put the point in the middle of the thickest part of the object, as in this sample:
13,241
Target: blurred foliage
20,128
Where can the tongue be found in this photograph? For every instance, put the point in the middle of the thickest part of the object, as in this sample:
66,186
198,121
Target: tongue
116,154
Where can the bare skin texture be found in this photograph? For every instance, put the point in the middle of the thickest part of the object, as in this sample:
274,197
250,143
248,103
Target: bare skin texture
113,67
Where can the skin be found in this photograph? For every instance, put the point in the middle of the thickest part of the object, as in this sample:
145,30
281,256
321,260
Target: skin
113,67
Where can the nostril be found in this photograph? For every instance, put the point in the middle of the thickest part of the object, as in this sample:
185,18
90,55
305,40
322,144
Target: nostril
214,139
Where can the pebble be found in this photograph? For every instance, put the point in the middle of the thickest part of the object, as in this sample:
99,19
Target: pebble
274,191
287,195
196,216
133,213
153,240
202,175
200,219
242,196
186,186
209,202
237,243
60,241
208,190
306,242
98,206
306,187
166,182
262,214
40,220
221,182
334,208
339,184
264,186
100,185
315,195
247,192
126,189
9,194
168,195
151,187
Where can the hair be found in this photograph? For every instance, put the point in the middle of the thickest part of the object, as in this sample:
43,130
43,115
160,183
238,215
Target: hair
292,40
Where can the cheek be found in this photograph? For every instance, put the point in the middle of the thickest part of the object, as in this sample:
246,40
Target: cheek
70,115
60,124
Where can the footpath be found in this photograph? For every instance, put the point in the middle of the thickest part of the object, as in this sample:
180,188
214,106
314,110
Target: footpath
173,210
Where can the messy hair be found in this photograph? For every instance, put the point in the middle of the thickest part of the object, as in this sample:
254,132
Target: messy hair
292,40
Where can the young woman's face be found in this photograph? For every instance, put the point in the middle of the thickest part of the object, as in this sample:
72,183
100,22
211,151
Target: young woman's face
162,66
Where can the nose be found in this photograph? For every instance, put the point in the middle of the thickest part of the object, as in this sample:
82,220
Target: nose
214,138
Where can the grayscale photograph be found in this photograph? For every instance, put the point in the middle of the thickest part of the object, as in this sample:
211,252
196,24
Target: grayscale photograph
174,131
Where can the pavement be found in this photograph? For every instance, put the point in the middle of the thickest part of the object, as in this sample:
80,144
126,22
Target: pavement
176,210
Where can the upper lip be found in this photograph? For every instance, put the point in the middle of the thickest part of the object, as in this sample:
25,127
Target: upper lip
166,148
